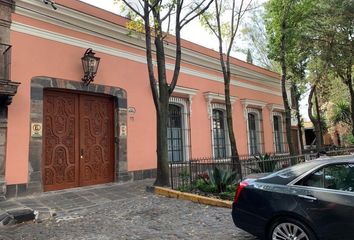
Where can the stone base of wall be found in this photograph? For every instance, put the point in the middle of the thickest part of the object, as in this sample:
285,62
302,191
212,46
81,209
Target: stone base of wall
21,190
2,190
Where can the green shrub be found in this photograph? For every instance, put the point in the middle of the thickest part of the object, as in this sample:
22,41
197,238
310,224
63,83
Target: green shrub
349,139
221,178
205,186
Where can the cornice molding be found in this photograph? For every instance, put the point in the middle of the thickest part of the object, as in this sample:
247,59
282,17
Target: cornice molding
253,103
84,23
185,91
214,99
30,30
275,107
8,3
217,97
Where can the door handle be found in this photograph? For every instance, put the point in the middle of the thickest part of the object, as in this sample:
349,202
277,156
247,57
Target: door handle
307,197
81,153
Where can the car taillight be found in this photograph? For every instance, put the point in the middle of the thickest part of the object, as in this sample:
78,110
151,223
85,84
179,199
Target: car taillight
239,189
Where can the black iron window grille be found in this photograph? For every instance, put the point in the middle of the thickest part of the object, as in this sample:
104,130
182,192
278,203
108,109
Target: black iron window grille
178,133
255,131
279,134
219,133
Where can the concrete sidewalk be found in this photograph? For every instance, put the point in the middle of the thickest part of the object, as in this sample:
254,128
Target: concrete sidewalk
64,202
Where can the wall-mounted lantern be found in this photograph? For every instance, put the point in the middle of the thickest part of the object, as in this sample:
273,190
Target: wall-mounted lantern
90,65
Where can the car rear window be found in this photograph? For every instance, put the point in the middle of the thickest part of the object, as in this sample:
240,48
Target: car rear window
288,174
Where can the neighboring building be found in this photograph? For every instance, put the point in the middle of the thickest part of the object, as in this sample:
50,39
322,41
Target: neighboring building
309,137
62,134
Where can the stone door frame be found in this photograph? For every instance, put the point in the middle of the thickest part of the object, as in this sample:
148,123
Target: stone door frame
38,84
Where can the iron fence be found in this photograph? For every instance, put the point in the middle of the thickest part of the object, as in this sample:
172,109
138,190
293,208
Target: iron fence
184,174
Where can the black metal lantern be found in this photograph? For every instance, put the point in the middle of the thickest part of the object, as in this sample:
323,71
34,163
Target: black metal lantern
90,65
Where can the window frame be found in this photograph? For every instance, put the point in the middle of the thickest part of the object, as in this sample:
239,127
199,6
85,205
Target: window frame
185,118
226,134
281,133
257,113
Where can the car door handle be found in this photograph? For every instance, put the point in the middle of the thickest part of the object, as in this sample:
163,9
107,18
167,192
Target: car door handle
307,197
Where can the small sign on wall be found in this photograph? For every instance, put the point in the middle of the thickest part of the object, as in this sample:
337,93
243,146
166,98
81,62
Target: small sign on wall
123,130
36,130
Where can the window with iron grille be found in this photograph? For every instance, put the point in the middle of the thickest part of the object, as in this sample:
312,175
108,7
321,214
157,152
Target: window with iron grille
279,136
178,130
219,134
174,134
277,133
254,131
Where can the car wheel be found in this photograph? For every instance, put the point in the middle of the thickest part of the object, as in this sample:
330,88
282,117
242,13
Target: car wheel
290,229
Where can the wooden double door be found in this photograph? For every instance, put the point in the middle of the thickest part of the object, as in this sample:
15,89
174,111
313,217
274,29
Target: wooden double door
78,140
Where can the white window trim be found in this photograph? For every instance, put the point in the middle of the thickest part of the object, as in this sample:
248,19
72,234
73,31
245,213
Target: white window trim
247,103
258,114
222,107
277,110
217,101
214,98
186,92
181,102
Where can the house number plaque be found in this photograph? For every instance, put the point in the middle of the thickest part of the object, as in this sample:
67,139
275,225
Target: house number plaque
123,130
36,130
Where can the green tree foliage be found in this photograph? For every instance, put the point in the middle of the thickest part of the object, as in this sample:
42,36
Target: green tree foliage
249,58
332,36
341,113
285,22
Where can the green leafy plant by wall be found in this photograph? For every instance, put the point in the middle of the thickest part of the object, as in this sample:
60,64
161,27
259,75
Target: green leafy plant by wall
264,163
221,178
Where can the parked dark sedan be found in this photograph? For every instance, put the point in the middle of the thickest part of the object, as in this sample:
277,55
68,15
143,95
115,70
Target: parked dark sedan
312,200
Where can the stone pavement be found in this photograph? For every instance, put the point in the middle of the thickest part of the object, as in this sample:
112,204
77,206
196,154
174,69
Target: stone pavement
120,211
62,202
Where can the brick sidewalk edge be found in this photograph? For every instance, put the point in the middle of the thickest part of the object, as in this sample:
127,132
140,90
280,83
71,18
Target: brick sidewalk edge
191,197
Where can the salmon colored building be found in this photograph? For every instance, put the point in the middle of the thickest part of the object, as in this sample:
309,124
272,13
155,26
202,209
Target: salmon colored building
58,133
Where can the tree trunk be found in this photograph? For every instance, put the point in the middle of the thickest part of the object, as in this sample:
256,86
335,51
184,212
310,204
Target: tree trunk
162,177
236,165
350,87
283,87
298,115
313,119
319,122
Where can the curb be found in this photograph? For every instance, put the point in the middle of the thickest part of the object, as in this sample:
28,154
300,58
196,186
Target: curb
190,197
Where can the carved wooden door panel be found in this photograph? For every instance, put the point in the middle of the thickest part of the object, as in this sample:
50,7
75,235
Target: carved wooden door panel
78,134
96,140
60,142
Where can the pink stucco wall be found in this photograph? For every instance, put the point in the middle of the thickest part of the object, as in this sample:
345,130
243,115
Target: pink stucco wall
35,56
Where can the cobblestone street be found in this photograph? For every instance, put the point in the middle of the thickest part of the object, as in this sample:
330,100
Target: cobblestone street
144,216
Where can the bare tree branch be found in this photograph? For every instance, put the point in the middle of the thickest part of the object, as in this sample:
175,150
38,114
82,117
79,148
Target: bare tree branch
185,21
133,9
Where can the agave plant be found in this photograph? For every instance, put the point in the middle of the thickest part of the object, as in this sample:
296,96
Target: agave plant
221,178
